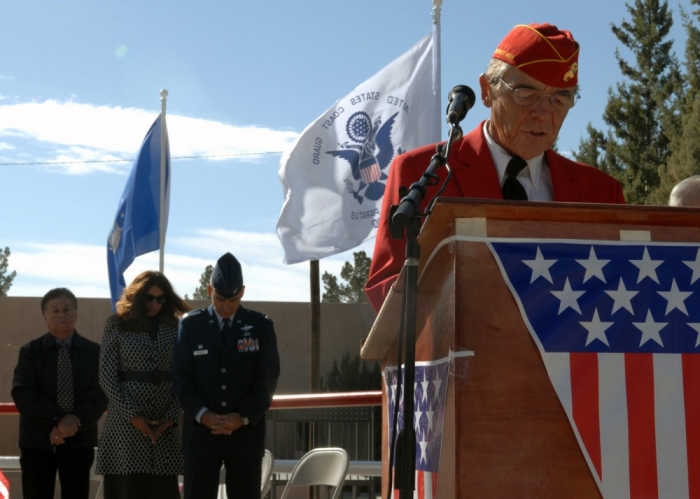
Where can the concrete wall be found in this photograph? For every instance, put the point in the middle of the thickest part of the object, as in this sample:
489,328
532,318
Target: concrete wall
342,328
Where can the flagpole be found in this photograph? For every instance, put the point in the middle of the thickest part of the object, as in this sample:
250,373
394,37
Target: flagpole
437,55
163,100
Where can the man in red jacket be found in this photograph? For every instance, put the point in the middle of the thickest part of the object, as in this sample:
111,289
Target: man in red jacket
530,85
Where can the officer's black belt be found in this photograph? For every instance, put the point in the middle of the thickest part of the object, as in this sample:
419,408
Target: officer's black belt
154,377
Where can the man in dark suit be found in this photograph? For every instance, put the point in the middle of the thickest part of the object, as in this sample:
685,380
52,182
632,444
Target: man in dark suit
530,85
57,393
224,372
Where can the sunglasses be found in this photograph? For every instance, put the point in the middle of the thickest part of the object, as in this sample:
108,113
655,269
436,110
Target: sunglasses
160,299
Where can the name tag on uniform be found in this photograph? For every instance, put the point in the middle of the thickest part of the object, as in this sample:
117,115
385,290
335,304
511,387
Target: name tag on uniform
201,352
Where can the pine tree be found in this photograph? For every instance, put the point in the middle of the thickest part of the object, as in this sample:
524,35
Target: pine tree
685,158
591,148
5,279
643,112
201,292
354,275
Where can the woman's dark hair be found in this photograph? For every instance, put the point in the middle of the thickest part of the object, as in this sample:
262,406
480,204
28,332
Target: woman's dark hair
131,308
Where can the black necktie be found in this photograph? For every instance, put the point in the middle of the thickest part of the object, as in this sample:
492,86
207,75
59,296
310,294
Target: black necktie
226,329
512,188
64,389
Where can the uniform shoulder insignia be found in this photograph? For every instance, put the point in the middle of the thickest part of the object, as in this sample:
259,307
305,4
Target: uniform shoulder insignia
192,313
259,315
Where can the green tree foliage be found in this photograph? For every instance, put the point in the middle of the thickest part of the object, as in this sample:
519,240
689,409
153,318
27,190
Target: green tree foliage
685,157
643,113
592,148
692,54
352,375
355,277
201,292
5,278
685,160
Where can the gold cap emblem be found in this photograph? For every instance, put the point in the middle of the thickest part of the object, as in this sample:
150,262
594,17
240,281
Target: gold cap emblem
571,73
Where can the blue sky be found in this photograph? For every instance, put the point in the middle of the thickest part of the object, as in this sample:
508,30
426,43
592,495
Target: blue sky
80,81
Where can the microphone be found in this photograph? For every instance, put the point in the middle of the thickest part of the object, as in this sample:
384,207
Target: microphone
460,100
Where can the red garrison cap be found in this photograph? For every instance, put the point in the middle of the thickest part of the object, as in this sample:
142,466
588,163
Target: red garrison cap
543,51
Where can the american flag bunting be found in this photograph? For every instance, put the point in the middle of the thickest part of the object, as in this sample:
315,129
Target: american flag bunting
618,327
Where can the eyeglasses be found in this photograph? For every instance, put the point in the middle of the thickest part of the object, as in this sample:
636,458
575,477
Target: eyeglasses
529,97
160,299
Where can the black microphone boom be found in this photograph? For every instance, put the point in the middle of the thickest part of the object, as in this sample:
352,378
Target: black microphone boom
460,100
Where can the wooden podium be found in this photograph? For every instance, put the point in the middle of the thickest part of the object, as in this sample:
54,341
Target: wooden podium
506,433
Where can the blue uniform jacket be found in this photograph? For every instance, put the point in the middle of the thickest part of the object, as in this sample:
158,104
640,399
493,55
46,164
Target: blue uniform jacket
239,375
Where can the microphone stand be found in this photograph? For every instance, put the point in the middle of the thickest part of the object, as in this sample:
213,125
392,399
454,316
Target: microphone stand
407,216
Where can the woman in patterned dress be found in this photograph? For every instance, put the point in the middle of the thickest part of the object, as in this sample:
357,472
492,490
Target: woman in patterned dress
139,450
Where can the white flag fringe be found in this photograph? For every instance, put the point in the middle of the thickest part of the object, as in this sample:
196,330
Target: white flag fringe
335,174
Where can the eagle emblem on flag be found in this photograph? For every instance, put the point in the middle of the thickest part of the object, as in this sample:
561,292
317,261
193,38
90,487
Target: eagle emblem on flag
370,153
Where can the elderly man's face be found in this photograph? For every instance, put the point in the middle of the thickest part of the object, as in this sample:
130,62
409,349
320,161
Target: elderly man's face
60,316
522,131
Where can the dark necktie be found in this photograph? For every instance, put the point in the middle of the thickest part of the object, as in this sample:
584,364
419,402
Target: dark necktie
512,188
226,329
64,389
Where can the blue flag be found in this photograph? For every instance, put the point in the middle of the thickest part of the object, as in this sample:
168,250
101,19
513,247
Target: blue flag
136,228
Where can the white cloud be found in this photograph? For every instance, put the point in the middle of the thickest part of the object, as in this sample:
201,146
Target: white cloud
71,131
83,268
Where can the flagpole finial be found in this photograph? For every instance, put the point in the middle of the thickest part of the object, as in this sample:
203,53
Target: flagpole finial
437,7
163,94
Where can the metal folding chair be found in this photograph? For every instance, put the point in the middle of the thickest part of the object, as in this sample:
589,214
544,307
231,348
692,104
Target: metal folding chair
323,466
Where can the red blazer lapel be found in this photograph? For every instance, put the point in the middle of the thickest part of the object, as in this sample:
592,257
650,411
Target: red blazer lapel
473,167
563,179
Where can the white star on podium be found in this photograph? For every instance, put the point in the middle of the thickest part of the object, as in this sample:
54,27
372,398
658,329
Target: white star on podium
596,329
431,421
647,267
425,384
540,267
422,445
696,326
437,383
622,297
695,266
594,267
650,329
675,298
568,297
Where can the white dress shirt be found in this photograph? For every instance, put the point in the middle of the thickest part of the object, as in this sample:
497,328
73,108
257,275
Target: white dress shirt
535,177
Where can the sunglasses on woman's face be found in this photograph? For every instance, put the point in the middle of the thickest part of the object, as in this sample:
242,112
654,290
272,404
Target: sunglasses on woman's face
160,299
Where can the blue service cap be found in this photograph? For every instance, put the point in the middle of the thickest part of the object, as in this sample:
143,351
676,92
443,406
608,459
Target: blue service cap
227,276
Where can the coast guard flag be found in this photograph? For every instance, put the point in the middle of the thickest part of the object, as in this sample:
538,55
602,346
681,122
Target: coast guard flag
136,228
618,327
429,405
334,176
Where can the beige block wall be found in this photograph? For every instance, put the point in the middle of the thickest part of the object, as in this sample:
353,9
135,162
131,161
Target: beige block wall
342,328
